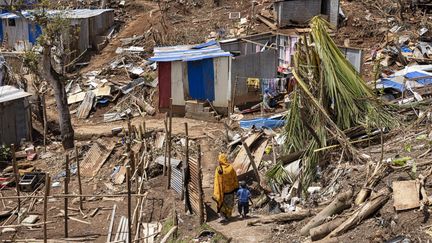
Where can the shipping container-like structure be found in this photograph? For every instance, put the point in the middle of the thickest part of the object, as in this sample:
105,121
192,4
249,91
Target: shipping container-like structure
200,72
15,116
87,29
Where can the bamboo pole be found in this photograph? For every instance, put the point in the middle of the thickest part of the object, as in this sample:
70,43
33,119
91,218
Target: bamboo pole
44,117
66,192
166,146
169,145
200,189
129,202
79,179
16,174
45,205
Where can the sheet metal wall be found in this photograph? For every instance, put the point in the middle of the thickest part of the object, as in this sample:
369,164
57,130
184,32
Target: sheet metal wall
258,65
195,187
15,122
177,82
296,12
222,81
17,33
331,9
177,180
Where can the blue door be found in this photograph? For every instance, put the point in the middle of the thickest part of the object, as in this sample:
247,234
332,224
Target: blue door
201,80
34,32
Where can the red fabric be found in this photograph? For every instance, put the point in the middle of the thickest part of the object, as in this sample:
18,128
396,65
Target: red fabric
164,73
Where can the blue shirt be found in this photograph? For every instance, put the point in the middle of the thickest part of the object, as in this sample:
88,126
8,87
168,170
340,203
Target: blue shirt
243,195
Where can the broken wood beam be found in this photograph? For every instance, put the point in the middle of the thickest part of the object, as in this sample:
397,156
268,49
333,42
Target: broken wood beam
66,192
251,159
363,212
79,178
282,217
340,203
45,205
16,175
169,144
110,228
129,202
323,230
267,22
169,234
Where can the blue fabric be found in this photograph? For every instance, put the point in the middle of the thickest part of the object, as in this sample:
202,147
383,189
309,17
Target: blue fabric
416,74
207,44
201,80
262,122
243,194
406,49
34,32
388,83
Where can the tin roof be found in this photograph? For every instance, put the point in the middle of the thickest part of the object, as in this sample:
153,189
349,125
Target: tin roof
186,53
70,14
8,93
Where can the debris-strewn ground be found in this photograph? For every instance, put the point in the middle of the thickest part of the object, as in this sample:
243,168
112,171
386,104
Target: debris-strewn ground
400,154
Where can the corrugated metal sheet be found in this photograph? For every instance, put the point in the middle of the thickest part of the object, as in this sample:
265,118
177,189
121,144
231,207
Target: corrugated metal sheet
15,121
195,195
177,88
188,52
296,12
8,93
354,56
201,80
222,82
70,14
177,180
258,65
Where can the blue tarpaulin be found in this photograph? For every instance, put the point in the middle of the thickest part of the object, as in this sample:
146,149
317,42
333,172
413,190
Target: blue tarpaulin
388,83
426,79
263,122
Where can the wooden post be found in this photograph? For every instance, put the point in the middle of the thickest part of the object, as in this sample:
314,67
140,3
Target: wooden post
129,202
45,205
79,179
166,146
66,192
200,189
186,164
44,117
17,177
169,145
252,160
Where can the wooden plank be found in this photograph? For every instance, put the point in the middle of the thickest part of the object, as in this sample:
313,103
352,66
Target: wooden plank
242,160
85,107
406,195
96,157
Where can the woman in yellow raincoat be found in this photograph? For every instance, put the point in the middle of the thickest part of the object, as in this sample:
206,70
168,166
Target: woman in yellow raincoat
225,186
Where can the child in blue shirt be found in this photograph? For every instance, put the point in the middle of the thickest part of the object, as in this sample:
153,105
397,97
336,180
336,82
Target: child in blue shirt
244,196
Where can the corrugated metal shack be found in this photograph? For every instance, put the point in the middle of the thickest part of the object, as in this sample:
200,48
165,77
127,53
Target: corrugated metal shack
262,56
89,25
15,116
255,57
199,72
299,12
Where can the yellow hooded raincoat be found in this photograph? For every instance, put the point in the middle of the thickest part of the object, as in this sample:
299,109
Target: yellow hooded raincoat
225,184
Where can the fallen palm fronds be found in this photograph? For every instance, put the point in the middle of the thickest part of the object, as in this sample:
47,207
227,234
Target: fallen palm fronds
329,98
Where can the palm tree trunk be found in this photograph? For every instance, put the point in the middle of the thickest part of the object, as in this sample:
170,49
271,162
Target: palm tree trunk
66,129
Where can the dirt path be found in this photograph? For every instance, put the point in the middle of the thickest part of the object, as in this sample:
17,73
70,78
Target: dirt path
239,232
196,128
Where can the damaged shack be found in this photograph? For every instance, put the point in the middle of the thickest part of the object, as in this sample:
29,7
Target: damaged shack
90,27
193,74
299,12
15,118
